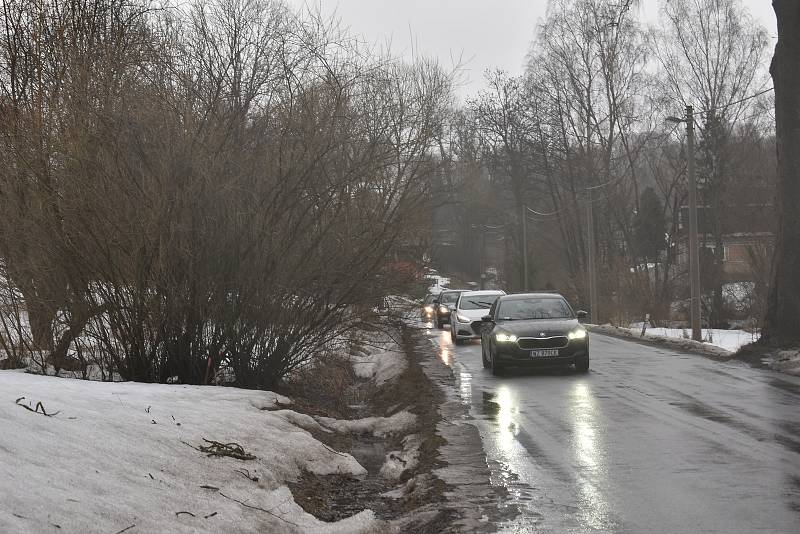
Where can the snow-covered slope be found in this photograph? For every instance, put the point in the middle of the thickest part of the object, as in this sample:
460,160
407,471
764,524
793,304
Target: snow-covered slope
120,455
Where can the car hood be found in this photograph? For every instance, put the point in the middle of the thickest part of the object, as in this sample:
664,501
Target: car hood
535,328
474,315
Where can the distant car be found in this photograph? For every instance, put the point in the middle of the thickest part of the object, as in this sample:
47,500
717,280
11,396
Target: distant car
447,299
534,330
465,318
429,306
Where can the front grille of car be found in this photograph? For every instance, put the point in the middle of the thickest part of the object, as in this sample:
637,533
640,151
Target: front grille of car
476,327
554,342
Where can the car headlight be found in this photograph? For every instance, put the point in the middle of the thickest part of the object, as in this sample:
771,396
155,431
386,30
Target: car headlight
442,309
505,338
578,333
428,309
461,318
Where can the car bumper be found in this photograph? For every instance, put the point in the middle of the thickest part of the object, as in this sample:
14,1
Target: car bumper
467,330
514,356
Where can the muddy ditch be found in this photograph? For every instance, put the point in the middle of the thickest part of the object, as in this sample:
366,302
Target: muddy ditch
334,497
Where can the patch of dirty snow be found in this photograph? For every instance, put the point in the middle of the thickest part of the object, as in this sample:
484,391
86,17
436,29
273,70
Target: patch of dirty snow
382,361
787,361
398,462
382,366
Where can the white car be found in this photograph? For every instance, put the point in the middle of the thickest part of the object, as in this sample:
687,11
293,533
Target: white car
465,317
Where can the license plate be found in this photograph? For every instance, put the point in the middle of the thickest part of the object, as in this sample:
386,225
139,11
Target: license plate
544,353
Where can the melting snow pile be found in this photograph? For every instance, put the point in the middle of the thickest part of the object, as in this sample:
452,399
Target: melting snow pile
398,462
377,426
120,455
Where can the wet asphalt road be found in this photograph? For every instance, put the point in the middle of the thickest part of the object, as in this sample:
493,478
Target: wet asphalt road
650,440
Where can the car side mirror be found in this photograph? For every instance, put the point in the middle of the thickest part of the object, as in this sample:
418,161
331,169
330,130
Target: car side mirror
581,314
487,319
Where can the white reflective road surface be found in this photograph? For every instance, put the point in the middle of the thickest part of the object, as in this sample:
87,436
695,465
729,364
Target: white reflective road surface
649,441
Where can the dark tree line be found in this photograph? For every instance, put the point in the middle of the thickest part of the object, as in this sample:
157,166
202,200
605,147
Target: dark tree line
584,127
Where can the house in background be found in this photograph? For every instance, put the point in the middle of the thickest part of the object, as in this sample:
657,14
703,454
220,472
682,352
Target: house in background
748,221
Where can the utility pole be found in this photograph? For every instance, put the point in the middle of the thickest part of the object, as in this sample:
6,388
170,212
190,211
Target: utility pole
590,263
694,250
524,248
483,250
593,306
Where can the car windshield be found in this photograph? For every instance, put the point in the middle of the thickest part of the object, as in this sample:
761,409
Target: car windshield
477,302
534,308
448,298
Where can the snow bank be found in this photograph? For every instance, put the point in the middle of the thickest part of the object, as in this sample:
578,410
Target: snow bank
121,454
382,360
730,340
379,427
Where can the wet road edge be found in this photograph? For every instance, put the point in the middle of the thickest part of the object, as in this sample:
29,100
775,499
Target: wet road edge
474,500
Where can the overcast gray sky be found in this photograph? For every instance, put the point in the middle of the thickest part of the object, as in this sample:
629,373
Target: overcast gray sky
483,33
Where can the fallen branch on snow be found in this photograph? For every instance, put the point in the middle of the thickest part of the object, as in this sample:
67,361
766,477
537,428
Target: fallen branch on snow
246,473
39,406
215,448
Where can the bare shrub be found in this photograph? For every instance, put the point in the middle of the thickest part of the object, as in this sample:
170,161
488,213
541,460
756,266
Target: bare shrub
217,184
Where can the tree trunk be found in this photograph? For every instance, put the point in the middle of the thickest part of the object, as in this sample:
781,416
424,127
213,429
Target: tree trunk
41,313
782,323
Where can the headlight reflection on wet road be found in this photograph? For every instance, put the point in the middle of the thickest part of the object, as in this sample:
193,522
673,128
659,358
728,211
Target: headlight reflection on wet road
592,469
464,385
446,356
507,425
445,349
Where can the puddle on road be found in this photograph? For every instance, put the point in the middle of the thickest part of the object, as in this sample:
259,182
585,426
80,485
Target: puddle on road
489,407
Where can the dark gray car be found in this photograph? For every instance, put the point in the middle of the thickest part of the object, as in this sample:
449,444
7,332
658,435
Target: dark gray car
447,300
534,330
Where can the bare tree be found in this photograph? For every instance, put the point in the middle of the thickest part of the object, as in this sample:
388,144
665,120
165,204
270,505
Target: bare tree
586,69
710,55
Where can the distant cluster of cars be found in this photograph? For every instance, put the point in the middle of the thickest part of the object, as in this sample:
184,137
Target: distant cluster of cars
517,330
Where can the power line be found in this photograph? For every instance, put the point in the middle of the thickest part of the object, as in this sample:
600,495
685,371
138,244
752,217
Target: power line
613,180
638,153
729,104
545,214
